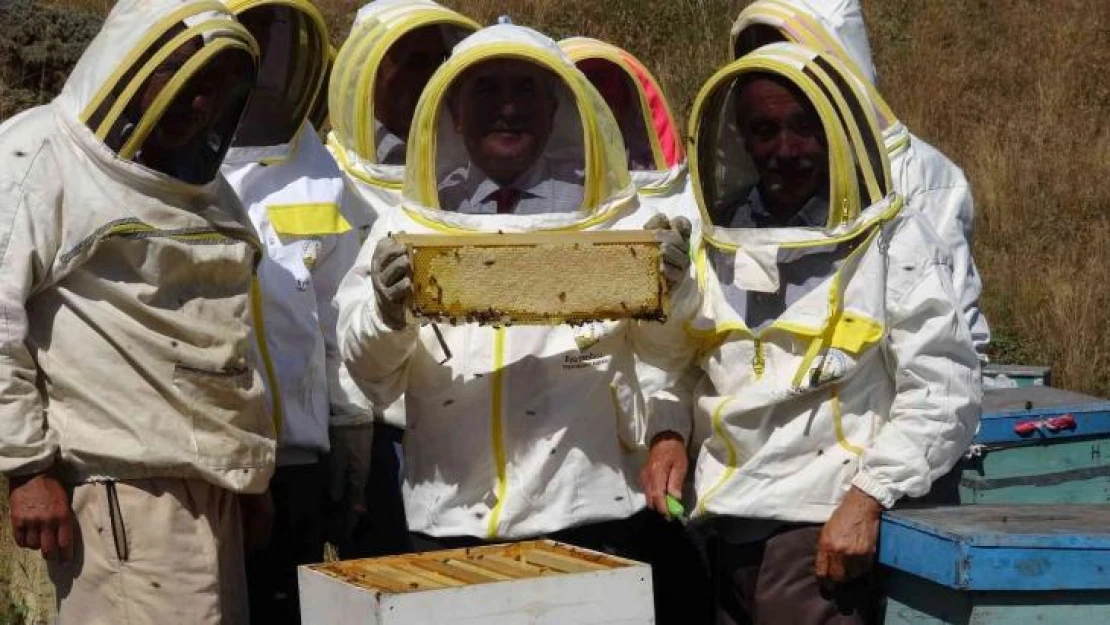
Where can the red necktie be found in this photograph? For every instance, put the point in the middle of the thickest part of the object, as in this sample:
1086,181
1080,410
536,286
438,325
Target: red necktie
506,198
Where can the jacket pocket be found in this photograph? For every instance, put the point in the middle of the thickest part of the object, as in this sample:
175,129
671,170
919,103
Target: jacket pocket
226,410
793,445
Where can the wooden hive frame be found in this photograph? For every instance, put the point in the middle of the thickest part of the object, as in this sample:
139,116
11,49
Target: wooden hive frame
465,567
537,278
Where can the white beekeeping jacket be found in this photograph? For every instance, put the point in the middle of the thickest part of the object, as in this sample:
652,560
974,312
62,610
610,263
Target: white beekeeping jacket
926,178
126,348
520,430
828,354
373,186
294,194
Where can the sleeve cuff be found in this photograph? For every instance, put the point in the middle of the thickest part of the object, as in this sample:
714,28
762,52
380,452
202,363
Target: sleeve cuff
667,418
881,493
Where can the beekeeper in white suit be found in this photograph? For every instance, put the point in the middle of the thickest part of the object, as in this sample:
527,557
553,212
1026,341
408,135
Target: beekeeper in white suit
131,417
652,135
294,194
379,73
512,432
836,374
393,49
926,178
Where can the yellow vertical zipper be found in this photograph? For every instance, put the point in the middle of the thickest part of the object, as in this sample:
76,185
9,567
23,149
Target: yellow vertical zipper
497,433
759,360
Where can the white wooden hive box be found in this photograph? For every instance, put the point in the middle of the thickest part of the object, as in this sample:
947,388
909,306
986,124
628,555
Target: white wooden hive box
528,583
537,278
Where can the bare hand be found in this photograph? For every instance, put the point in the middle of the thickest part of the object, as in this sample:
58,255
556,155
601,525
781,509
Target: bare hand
665,470
846,548
258,521
675,254
41,516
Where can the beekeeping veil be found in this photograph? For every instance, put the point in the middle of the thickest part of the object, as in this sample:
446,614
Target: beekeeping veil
835,27
378,27
293,41
584,138
652,136
808,270
193,49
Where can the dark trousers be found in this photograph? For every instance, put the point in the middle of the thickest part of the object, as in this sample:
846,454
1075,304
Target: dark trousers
383,530
771,582
297,538
680,581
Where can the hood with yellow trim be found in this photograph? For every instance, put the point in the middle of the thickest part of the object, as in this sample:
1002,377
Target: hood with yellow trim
377,27
293,44
170,42
745,253
725,177
833,26
652,135
319,117
584,134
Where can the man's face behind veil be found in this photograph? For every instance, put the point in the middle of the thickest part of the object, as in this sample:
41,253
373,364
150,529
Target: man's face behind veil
405,70
784,136
193,116
504,109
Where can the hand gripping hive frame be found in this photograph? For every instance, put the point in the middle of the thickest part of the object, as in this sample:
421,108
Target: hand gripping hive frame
537,278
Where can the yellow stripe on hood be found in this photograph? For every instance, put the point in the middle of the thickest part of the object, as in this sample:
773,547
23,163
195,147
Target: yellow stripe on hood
583,48
377,27
316,87
853,135
608,187
133,32
833,26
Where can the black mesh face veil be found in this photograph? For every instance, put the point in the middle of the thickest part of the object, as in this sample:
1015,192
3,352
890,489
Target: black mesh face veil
872,145
291,70
623,97
762,154
226,80
756,36
185,112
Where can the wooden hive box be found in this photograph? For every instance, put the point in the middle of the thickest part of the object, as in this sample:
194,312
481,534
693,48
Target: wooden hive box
996,565
1038,444
528,583
537,278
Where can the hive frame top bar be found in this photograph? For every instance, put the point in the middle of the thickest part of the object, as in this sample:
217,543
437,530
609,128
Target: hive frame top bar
490,239
477,565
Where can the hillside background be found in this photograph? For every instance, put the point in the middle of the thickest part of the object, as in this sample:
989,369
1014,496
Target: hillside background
1014,91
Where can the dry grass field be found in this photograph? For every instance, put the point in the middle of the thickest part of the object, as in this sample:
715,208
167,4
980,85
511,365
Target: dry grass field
1013,90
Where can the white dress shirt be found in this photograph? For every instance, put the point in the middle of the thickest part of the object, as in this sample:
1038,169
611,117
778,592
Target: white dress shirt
550,186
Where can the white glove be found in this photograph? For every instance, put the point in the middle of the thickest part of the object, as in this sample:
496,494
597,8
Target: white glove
675,252
391,273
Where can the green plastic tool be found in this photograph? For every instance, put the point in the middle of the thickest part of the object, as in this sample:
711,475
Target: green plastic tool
675,508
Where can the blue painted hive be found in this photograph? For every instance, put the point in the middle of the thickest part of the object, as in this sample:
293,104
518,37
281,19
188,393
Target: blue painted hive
1038,445
996,564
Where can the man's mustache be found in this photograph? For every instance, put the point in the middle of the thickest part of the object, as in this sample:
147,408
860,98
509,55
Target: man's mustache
803,164
503,124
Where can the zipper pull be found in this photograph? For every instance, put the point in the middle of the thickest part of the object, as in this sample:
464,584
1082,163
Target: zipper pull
759,364
844,214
